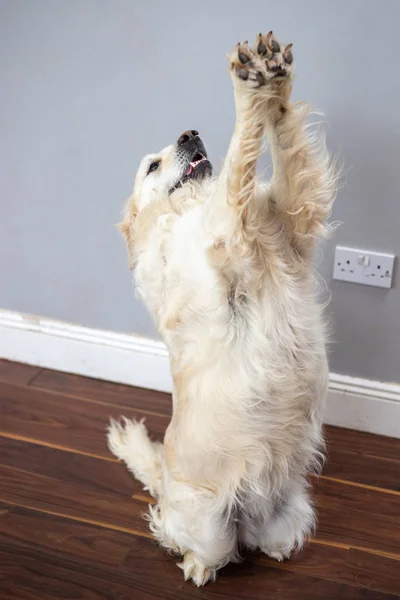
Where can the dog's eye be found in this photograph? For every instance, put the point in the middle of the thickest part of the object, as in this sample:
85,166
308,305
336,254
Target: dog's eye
154,166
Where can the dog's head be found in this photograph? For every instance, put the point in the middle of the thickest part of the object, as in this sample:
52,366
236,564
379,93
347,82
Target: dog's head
162,173
158,176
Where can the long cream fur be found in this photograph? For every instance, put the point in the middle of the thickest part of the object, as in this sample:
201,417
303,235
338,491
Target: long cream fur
225,266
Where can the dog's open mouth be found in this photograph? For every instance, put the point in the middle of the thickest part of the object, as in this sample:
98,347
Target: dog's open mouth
198,168
197,159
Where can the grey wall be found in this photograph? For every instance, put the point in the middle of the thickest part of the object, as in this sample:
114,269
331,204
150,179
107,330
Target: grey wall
89,86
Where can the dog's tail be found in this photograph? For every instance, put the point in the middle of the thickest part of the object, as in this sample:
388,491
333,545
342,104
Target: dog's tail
130,442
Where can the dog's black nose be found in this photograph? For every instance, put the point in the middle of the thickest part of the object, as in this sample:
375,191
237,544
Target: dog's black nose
186,136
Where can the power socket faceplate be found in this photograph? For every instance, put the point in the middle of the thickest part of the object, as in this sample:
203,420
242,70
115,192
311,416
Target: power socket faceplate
363,266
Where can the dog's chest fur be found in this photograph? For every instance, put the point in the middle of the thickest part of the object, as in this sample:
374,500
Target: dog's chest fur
202,312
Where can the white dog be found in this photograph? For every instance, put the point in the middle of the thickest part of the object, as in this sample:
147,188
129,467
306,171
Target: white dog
225,266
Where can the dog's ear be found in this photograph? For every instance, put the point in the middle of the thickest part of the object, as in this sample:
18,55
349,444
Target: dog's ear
130,214
124,228
127,227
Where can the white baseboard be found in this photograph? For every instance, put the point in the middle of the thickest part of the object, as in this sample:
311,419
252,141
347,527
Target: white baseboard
81,350
352,402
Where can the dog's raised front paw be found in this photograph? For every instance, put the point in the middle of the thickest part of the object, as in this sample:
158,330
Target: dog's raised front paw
267,62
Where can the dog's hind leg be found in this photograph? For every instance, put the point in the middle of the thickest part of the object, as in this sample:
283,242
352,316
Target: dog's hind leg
192,521
281,526
128,440
290,526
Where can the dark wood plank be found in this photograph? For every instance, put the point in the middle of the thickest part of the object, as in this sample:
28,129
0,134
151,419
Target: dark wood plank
17,372
149,574
98,548
361,468
131,398
349,566
284,585
360,442
363,457
75,485
28,574
63,421
10,592
63,537
374,572
357,516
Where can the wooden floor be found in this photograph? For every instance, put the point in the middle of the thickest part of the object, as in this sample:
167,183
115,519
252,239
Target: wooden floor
71,523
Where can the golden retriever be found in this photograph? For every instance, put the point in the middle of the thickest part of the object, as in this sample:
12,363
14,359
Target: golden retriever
225,266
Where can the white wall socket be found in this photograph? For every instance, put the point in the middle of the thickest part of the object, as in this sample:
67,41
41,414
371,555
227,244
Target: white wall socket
363,266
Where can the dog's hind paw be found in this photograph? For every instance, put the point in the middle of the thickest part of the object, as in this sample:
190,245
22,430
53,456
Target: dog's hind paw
193,569
279,556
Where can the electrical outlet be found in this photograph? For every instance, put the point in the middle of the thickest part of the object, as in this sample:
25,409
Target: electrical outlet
363,266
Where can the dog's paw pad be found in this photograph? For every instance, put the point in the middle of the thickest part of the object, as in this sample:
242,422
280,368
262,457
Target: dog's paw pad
268,61
244,53
287,54
242,63
277,58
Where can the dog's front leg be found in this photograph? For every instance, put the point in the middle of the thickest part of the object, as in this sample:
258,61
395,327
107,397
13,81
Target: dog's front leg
304,179
262,82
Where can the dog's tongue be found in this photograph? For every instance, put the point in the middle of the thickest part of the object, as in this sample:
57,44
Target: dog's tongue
194,164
